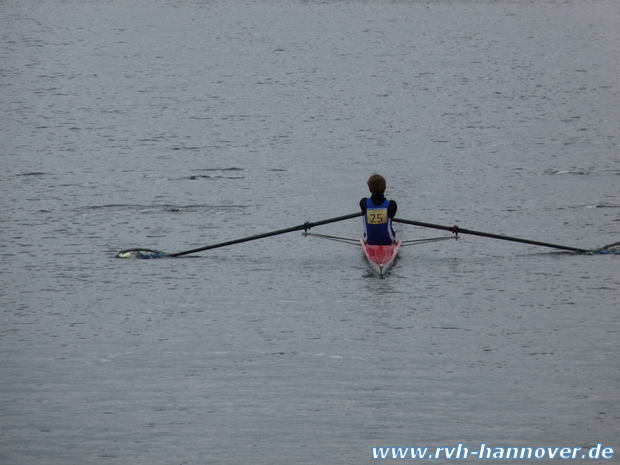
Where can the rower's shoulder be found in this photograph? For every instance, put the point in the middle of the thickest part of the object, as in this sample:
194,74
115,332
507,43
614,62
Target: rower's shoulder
392,208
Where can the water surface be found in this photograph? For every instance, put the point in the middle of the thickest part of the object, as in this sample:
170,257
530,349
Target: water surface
174,125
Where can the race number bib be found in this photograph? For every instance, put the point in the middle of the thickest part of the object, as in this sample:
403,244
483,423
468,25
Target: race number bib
377,216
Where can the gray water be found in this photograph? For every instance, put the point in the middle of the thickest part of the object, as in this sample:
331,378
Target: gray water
174,125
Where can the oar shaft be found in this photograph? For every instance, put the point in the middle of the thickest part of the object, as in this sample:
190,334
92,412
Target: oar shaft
268,234
493,236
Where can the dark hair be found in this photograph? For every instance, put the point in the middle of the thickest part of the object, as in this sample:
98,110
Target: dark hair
376,184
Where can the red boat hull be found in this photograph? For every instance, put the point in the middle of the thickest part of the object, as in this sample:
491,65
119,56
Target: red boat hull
381,257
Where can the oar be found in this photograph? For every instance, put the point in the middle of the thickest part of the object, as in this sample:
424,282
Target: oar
306,225
457,230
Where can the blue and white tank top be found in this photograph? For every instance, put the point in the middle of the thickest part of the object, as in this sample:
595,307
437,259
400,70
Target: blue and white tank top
377,225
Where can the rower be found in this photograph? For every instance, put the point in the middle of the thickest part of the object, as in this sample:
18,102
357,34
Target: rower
378,213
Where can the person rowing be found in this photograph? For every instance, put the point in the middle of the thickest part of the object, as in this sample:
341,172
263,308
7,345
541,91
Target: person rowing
379,241
378,213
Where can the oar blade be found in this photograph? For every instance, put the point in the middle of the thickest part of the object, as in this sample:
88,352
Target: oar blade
141,254
610,249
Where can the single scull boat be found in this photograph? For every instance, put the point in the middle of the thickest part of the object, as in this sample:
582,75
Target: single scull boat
381,257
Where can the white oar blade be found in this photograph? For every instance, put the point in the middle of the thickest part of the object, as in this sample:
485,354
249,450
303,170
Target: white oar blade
141,254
